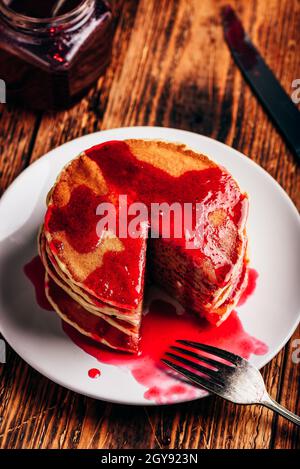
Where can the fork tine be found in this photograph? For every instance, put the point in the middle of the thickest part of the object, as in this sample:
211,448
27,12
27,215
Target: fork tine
203,369
231,357
204,383
209,361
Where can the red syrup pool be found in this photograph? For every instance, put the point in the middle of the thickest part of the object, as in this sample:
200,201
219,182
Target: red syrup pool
94,373
161,327
35,271
250,288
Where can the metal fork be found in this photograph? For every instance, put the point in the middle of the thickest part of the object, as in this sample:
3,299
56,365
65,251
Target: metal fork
237,380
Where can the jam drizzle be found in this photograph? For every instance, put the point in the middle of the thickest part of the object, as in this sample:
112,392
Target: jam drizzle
77,219
119,279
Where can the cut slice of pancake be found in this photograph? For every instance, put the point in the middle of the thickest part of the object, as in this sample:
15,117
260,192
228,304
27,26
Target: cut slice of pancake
204,267
90,304
108,268
110,315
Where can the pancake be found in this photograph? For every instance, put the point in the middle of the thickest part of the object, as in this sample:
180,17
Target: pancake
204,267
112,318
87,301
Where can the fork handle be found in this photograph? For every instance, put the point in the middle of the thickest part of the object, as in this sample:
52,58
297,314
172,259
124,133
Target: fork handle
271,404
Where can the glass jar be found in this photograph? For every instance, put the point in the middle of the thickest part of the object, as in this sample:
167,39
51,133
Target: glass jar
52,51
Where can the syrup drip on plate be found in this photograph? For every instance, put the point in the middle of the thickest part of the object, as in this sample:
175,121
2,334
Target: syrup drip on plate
250,288
35,271
94,373
161,327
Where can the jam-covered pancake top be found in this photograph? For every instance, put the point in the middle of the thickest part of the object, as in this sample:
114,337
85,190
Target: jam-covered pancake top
111,267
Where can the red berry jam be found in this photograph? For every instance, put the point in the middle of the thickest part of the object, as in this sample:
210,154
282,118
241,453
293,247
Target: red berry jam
52,51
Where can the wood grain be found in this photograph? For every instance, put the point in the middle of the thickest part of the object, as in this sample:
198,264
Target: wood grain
17,135
172,68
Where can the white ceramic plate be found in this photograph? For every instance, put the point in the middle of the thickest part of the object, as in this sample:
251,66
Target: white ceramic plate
271,314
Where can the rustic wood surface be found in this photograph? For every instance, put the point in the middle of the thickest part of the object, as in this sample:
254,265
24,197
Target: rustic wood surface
172,68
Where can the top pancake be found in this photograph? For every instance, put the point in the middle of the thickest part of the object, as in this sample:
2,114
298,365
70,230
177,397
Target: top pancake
112,269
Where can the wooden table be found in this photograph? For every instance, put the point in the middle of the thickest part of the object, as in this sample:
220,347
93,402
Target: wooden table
172,68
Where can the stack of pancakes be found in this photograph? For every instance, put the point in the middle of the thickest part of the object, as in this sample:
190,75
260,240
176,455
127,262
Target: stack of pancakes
95,281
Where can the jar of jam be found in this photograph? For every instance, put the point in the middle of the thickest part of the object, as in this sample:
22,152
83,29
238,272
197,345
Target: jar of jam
52,51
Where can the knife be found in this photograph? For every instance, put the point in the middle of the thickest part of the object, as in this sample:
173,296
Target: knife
262,80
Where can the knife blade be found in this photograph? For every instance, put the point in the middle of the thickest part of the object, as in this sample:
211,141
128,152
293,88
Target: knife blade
262,80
